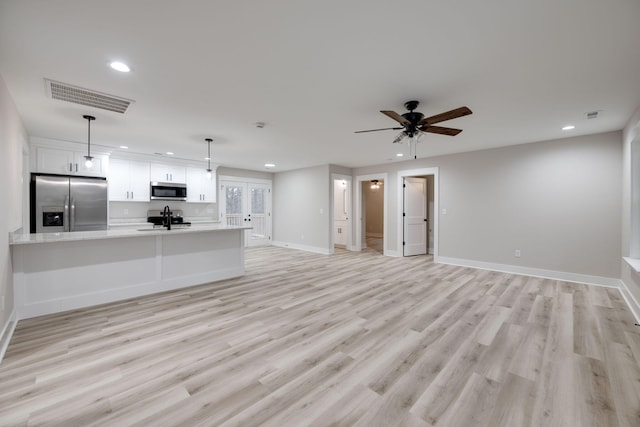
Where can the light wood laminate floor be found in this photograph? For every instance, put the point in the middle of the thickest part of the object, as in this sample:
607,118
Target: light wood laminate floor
352,339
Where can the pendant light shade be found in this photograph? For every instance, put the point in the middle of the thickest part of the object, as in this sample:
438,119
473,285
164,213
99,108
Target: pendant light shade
89,160
209,141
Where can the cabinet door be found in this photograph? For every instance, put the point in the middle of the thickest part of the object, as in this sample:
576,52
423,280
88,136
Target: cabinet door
98,166
139,181
194,185
209,187
200,188
168,173
54,161
118,180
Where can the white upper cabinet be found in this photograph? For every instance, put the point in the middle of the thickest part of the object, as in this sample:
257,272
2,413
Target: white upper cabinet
200,188
128,181
69,162
168,173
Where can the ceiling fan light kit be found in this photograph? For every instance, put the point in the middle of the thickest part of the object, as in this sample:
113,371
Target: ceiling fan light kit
414,124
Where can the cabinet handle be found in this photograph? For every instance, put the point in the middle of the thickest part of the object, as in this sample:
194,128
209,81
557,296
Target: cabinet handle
76,167
127,194
70,167
132,194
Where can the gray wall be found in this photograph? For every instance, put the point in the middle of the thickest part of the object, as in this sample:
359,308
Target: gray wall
301,203
559,202
629,246
13,140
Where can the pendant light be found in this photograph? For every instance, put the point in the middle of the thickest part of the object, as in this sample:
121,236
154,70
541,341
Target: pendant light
89,161
209,141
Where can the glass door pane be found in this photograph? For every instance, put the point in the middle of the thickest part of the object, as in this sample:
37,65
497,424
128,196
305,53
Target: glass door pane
234,204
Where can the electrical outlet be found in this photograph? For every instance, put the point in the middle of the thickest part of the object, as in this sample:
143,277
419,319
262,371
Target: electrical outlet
126,211
516,253
444,211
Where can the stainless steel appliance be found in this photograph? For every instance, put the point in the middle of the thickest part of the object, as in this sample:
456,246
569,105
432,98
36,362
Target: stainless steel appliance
159,218
67,203
168,191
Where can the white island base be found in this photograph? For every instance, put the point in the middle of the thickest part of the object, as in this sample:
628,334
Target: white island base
53,275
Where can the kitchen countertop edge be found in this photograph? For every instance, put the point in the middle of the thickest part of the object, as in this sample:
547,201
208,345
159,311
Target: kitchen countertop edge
25,239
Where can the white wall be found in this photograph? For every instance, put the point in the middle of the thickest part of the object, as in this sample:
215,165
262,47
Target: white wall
631,134
301,216
13,140
559,202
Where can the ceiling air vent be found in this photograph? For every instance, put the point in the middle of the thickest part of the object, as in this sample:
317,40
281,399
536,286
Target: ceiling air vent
592,114
91,98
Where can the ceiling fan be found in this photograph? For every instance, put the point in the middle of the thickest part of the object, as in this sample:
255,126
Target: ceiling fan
414,123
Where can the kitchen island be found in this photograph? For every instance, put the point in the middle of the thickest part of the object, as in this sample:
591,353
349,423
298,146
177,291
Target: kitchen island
54,272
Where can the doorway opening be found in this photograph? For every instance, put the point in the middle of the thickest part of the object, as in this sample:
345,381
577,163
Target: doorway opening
341,213
418,212
373,214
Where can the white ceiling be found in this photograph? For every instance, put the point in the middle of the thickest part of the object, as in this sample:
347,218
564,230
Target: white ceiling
316,71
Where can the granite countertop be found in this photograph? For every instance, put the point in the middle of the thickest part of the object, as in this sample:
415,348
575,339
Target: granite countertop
23,239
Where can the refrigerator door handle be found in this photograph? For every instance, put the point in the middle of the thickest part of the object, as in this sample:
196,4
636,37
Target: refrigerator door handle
65,215
72,219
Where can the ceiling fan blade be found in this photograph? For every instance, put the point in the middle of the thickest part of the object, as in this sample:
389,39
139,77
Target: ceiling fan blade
395,116
441,130
453,114
376,130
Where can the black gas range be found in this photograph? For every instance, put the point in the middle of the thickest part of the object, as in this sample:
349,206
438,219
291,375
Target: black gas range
156,217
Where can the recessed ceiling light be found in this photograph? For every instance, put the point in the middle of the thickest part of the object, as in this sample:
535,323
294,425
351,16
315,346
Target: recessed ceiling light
568,127
399,155
170,153
269,165
124,147
120,66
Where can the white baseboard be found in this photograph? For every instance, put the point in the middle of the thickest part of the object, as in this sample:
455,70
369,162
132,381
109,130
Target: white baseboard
630,300
388,252
315,249
7,333
536,272
375,235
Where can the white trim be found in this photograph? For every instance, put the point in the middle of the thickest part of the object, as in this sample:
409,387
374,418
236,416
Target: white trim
7,333
359,179
436,204
315,249
631,301
634,263
535,272
243,179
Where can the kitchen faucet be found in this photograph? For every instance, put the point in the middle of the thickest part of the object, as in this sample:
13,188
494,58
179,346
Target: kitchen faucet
166,217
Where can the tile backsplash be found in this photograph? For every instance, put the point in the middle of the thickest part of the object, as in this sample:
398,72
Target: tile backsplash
122,211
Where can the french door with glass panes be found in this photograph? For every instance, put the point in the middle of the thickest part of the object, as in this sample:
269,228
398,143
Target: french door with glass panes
247,203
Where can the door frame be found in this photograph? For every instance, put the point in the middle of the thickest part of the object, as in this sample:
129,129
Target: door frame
267,182
405,217
436,205
348,179
385,235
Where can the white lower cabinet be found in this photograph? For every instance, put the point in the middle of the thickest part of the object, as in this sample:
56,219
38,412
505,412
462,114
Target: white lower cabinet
128,181
200,188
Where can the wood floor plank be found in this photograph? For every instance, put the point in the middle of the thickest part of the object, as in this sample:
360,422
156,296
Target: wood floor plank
349,339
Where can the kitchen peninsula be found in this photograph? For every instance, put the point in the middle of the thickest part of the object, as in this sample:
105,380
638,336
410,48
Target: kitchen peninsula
55,272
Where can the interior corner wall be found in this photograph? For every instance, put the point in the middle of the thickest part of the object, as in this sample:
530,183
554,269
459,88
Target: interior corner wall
558,202
301,216
13,140
631,135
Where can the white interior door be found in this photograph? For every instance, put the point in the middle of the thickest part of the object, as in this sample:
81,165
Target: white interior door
247,203
415,216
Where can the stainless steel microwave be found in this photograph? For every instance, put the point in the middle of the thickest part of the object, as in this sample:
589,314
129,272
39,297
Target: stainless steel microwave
168,191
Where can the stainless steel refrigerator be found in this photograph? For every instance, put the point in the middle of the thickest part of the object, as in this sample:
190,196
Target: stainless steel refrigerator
67,203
